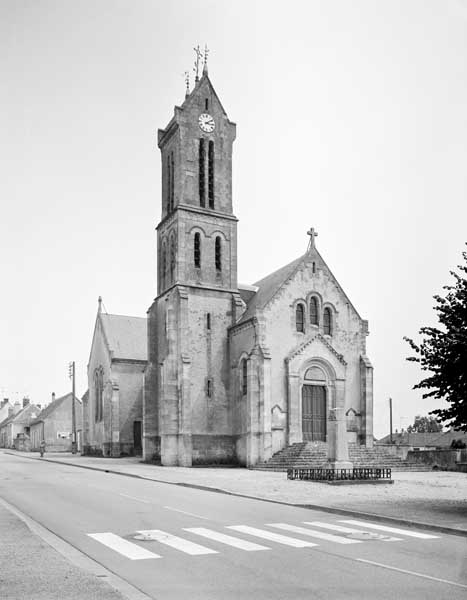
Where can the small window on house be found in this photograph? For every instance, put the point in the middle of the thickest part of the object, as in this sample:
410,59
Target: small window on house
208,321
218,254
209,388
313,311
327,321
244,377
197,250
299,318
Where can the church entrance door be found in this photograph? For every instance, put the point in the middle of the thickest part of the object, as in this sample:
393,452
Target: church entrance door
137,438
314,413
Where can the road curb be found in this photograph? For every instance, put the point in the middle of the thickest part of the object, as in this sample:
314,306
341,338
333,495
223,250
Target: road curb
329,509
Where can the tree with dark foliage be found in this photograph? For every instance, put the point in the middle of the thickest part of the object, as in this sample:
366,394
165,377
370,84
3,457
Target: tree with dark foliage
443,352
425,425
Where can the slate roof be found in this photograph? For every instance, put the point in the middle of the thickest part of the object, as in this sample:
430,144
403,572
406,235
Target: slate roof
126,336
412,439
446,438
49,409
22,416
268,286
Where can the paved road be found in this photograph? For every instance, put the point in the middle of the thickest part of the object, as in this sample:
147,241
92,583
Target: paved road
173,543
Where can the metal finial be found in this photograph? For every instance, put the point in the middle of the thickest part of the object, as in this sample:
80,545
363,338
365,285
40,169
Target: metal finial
205,64
99,304
196,67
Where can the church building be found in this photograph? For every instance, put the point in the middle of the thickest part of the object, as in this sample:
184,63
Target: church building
237,372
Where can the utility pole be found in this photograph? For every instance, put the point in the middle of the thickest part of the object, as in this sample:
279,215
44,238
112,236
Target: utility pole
390,420
71,373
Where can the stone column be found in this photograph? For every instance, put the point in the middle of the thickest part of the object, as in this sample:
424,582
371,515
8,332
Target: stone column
338,448
266,446
252,408
115,420
293,408
366,386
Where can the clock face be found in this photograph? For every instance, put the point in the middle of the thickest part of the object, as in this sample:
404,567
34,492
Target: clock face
206,123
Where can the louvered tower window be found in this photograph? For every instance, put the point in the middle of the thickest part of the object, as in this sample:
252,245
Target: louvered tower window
211,174
169,183
201,177
299,318
172,260
163,266
197,250
218,254
172,182
327,321
314,311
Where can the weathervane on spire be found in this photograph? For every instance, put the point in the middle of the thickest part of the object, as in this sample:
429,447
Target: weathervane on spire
205,62
312,233
199,54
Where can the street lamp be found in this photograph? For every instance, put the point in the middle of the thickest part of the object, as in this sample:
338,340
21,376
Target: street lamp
71,375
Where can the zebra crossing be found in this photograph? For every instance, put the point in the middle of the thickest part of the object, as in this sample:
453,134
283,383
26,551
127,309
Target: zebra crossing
345,531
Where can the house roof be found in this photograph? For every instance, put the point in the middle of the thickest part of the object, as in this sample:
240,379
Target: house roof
126,336
23,416
412,439
50,408
446,438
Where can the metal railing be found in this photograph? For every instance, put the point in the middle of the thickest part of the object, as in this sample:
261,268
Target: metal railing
323,474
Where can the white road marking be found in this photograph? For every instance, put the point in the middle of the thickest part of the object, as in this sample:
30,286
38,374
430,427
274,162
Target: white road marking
176,542
269,535
415,534
134,498
313,533
187,513
370,562
341,529
226,539
124,547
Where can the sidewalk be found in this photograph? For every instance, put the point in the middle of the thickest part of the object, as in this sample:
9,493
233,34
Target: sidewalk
436,500
31,568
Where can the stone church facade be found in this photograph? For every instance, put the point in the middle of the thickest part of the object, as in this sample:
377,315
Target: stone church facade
236,373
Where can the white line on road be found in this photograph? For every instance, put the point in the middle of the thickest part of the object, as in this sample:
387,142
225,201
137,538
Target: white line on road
270,535
415,534
370,562
313,533
341,529
186,513
124,547
226,539
134,498
176,542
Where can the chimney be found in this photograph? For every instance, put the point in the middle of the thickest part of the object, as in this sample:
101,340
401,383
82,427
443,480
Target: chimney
11,412
16,407
4,401
25,401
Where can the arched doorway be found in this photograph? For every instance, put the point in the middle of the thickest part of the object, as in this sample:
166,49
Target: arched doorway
314,406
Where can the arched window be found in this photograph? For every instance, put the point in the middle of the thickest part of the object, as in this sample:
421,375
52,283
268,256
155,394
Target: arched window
98,394
172,182
169,183
197,250
172,260
218,254
313,310
299,318
163,266
211,174
208,321
202,184
327,321
244,377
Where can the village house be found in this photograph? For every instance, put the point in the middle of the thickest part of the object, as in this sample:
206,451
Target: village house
54,425
5,407
113,405
15,429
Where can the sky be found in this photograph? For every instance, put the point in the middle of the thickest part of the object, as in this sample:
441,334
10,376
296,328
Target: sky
350,119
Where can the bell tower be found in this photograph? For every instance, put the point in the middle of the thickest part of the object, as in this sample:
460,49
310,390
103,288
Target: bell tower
187,403
197,233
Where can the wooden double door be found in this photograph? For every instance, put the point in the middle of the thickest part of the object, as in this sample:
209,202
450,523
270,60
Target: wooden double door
314,413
